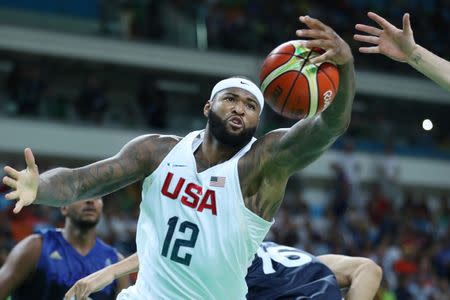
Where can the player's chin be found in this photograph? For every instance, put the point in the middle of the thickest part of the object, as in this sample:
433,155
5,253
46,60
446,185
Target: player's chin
90,218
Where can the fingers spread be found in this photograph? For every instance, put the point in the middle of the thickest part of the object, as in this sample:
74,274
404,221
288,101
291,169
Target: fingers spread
406,23
13,195
369,49
10,182
11,172
367,38
323,44
18,207
369,29
313,23
312,33
29,158
381,21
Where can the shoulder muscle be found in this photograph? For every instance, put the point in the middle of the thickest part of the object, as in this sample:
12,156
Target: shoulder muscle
21,262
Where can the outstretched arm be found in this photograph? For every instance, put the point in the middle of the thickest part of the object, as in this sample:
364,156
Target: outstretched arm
20,264
360,274
62,186
98,280
309,138
265,169
398,44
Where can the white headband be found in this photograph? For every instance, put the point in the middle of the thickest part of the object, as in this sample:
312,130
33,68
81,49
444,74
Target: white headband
240,83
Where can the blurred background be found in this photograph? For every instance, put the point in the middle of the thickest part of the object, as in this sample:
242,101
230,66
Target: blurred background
78,79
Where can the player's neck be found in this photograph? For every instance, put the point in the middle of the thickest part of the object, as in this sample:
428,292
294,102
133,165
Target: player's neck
213,152
82,240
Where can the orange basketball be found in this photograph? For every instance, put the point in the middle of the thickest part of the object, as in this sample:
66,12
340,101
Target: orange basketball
294,87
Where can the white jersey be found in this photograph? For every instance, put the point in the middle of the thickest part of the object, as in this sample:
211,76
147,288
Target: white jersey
195,237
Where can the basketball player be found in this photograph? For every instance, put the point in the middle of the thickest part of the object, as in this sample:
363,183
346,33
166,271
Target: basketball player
277,272
209,198
44,266
399,45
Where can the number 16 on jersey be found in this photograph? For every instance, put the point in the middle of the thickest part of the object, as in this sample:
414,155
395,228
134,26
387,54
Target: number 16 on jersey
178,243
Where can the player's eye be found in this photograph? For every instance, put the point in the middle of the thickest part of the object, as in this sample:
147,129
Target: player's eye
251,106
229,98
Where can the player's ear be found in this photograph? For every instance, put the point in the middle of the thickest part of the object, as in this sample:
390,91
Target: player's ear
207,108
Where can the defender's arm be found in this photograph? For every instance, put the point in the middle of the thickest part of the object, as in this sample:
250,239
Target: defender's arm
360,274
20,264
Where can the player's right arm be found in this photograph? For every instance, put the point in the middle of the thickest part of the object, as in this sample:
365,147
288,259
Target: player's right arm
398,44
360,274
62,186
265,169
98,280
20,264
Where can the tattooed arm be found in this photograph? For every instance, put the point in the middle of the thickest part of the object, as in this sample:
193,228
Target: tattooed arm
399,45
265,169
62,186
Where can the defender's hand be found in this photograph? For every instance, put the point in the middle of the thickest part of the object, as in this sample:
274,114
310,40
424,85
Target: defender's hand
389,40
24,183
324,37
88,285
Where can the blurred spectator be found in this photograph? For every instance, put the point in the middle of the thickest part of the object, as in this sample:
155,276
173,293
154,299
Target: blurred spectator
26,87
107,15
152,102
388,174
92,102
285,230
350,167
341,190
127,18
150,20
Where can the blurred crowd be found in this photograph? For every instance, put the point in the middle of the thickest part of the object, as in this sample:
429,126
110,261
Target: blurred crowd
404,231
30,91
257,26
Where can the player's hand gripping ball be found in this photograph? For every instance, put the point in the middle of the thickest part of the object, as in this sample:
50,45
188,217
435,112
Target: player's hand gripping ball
294,87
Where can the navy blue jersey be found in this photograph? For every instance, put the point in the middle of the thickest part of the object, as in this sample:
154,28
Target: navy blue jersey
60,266
281,272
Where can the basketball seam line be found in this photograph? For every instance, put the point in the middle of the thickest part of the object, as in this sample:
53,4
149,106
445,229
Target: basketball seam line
329,78
292,86
277,68
317,95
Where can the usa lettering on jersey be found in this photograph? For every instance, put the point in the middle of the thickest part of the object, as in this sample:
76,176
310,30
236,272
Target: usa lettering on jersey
192,195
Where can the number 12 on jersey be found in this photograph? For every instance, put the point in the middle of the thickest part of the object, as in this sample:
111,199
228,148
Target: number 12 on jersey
178,243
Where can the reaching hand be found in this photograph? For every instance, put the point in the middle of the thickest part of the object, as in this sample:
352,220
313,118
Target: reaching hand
88,285
24,183
389,40
324,37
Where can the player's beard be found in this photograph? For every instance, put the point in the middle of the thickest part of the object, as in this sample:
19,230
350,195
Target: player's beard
83,224
218,129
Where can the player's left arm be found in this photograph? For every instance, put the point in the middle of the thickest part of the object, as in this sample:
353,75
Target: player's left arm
98,280
20,265
122,281
361,275
264,170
